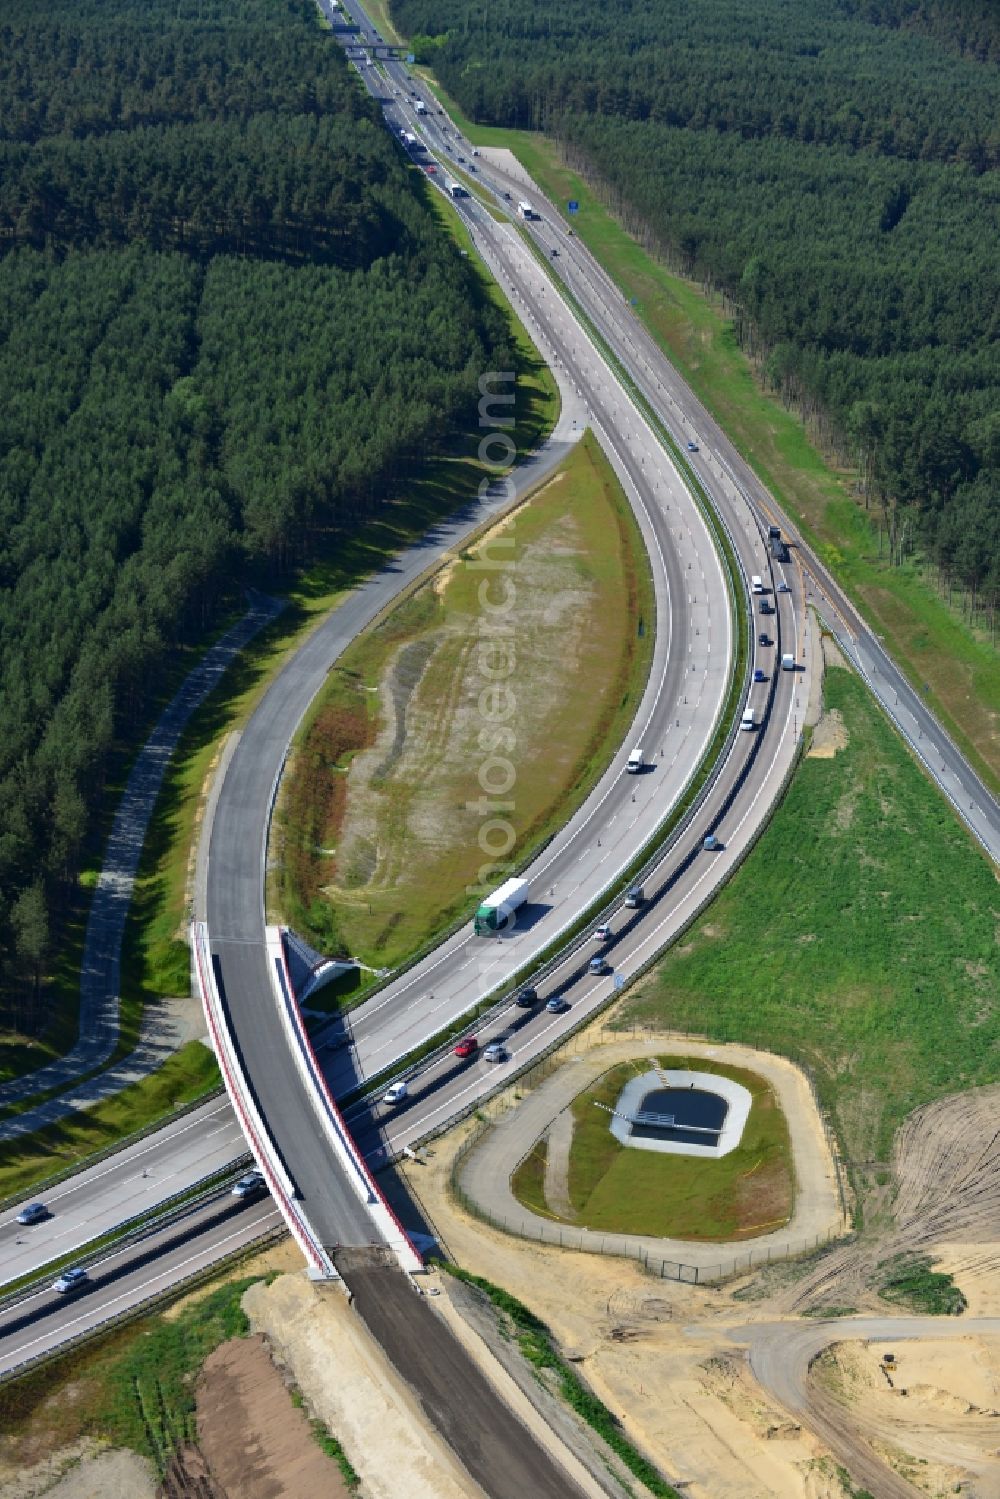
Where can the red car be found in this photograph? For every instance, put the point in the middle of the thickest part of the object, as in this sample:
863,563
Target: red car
467,1047
430,170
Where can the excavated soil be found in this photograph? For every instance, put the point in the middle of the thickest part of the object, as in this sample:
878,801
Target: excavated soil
255,1442
659,1354
932,1416
946,1173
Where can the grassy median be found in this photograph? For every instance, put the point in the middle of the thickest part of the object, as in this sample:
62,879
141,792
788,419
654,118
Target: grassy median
956,666
381,813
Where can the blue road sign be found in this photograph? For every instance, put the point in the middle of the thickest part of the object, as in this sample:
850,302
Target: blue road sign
634,301
411,57
573,206
619,981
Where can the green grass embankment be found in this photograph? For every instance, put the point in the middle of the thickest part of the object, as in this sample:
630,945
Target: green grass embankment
858,938
538,1348
957,666
155,956
619,1189
134,1387
187,1075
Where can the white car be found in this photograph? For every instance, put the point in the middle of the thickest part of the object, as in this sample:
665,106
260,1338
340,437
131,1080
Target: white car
602,934
250,1185
71,1280
394,1095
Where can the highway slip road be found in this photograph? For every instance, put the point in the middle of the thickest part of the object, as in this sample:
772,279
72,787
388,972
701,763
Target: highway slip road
677,718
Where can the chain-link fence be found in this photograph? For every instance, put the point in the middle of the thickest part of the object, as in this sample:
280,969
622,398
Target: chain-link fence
567,1236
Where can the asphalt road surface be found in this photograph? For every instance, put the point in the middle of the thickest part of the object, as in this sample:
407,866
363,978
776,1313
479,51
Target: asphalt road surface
123,1279
127,1184
736,489
678,717
496,1448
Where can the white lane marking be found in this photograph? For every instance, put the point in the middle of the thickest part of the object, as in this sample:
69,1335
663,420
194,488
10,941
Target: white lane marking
130,1294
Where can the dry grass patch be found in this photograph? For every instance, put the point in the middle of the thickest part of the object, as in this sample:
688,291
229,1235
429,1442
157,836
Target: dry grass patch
383,809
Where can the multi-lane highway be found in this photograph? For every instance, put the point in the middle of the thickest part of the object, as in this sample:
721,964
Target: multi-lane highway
688,637
598,842
675,723
721,467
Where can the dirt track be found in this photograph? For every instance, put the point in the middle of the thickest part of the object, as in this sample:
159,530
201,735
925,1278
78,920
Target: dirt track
946,1171
724,1393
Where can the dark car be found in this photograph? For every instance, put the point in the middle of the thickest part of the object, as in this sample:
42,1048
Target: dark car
33,1212
634,896
759,675
556,1005
467,1047
600,964
526,997
692,447
763,639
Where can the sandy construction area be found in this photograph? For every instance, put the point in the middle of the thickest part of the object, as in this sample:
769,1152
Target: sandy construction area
933,1416
661,1355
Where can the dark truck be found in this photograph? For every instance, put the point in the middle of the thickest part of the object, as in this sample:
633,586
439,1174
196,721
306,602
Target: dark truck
779,547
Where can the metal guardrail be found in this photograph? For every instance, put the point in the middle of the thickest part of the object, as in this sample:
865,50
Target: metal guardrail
146,1305
245,1106
130,1231
576,1025
73,1168
582,938
331,1121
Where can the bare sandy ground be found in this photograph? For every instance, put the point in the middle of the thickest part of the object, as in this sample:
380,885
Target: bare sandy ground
256,1443
630,1335
355,1391
660,1356
933,1417
84,1471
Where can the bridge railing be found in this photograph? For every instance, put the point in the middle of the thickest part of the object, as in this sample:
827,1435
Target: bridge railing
241,1096
331,1121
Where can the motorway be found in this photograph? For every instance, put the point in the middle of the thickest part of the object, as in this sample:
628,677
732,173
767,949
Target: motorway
427,998
592,848
724,472
676,720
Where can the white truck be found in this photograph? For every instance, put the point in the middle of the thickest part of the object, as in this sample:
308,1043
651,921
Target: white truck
455,188
756,584
635,762
525,211
497,909
788,661
420,107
